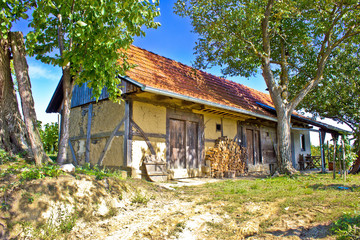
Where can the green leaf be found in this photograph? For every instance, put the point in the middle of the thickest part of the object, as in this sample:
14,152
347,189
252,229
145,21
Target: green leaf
81,23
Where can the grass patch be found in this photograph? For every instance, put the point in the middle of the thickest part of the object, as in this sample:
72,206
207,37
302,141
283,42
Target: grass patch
140,198
347,226
315,198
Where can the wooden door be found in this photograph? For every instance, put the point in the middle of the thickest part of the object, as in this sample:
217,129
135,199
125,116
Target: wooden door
257,156
253,146
250,145
177,144
192,144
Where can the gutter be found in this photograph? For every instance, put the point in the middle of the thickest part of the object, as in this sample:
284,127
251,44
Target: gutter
305,129
195,100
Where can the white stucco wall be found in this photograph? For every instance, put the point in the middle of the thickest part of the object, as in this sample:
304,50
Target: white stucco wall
296,145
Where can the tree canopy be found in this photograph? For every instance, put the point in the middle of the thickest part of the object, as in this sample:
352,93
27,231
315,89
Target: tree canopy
338,97
12,10
93,35
290,42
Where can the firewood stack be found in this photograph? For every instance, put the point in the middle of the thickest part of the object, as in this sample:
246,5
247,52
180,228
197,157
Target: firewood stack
226,156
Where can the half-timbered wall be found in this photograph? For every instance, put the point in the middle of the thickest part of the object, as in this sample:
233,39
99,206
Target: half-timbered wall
160,119
93,132
152,120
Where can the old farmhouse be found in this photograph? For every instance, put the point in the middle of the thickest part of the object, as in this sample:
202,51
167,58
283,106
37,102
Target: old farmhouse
176,113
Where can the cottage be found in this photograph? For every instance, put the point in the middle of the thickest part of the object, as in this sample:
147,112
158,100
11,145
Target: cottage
176,113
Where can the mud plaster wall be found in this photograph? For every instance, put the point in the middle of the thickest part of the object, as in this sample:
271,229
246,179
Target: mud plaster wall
105,116
115,154
152,120
140,149
229,128
210,121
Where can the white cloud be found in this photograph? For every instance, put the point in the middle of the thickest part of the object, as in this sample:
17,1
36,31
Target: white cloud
44,72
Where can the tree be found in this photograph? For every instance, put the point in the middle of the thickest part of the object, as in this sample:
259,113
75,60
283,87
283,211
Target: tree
49,136
92,37
338,97
27,101
290,41
13,135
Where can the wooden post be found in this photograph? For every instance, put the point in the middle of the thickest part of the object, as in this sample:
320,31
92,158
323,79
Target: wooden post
222,127
343,157
73,153
340,161
126,134
322,140
88,134
328,152
334,162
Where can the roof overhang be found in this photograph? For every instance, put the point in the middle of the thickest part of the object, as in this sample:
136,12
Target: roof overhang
196,100
56,99
323,126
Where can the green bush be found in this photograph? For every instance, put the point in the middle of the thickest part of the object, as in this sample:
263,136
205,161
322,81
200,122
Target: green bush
5,157
40,172
49,136
347,227
32,173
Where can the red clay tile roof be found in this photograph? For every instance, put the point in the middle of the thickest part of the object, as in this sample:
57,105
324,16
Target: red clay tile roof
169,75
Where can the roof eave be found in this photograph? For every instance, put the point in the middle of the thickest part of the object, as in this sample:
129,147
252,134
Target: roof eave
196,100
324,126
56,99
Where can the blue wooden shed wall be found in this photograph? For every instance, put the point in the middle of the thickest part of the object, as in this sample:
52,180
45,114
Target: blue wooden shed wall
83,95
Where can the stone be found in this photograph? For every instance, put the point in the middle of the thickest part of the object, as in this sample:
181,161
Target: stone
68,167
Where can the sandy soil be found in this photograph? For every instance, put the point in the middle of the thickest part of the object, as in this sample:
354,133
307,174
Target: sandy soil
107,210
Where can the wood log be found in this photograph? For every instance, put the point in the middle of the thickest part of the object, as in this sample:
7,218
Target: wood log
227,155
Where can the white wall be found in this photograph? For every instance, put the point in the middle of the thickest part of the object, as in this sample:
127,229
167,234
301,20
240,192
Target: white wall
296,145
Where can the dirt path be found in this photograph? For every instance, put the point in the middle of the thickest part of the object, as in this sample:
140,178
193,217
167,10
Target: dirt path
176,214
189,218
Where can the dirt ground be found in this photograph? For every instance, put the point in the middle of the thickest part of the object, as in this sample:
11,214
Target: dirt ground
132,209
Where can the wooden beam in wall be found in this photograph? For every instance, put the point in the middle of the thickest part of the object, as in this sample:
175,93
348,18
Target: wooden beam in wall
88,134
142,133
223,113
109,141
97,135
73,153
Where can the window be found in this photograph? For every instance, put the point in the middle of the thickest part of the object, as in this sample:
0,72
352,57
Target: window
302,142
218,127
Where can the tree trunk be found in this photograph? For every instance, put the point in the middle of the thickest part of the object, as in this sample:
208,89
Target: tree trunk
284,141
65,115
27,101
13,137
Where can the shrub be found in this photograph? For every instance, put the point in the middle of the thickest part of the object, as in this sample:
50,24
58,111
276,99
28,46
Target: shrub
347,226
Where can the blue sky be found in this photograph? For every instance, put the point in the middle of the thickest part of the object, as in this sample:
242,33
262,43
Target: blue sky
173,39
